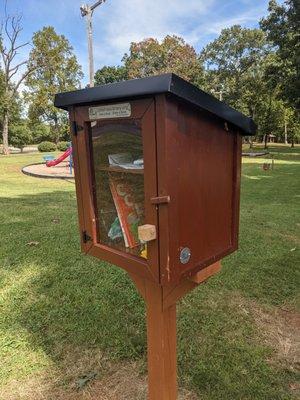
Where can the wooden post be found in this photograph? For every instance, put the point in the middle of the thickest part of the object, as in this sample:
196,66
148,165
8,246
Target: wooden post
161,333
161,329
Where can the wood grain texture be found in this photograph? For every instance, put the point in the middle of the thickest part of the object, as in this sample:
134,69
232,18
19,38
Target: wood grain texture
161,345
192,166
85,247
206,273
161,329
199,167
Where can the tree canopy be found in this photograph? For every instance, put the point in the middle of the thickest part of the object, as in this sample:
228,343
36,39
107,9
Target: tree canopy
110,75
173,54
233,62
282,26
20,134
256,71
56,69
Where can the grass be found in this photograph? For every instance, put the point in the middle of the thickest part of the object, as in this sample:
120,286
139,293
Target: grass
65,317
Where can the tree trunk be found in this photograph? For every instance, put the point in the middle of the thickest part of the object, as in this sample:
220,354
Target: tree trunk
266,141
285,133
293,142
250,138
56,131
5,133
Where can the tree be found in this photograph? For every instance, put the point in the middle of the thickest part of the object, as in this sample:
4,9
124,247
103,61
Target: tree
55,70
110,75
2,91
233,62
20,135
292,126
2,96
282,27
270,118
9,46
40,131
241,60
173,54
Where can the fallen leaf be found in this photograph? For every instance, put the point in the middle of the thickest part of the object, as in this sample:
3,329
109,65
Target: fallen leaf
293,249
32,243
56,220
294,386
85,379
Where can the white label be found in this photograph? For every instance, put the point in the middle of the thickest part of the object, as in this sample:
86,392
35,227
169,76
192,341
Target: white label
120,110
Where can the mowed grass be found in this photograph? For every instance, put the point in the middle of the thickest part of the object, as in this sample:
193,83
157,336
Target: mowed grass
68,322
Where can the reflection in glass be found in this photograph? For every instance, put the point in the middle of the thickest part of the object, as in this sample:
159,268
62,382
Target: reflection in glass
119,184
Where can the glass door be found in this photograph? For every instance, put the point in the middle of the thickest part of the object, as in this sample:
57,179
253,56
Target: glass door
118,164
115,165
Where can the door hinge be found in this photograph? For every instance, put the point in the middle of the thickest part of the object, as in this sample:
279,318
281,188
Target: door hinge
76,128
86,237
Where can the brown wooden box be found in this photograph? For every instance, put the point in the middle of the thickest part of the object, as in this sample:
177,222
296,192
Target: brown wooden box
188,190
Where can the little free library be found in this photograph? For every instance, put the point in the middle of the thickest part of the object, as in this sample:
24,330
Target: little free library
157,171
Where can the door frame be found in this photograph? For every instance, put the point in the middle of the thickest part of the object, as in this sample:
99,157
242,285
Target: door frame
144,110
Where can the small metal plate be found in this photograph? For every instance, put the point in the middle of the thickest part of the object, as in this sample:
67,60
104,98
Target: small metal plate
185,255
120,110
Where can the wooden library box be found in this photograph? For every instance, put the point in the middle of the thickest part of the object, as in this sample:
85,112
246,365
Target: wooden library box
157,171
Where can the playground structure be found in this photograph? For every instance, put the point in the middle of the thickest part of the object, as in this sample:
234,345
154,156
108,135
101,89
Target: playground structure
67,153
58,168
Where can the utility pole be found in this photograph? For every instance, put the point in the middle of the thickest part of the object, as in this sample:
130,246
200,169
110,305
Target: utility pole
87,11
220,93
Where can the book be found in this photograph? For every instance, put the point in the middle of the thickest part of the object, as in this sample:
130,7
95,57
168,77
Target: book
128,209
125,160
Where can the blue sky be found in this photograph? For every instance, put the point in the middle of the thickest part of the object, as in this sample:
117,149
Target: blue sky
118,22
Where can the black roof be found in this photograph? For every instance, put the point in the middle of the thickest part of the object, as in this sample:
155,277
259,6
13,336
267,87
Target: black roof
167,83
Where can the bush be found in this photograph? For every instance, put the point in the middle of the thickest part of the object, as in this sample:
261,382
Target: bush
46,146
62,146
64,132
20,135
41,133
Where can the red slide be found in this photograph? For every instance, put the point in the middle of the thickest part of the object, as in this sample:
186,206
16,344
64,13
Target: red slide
59,159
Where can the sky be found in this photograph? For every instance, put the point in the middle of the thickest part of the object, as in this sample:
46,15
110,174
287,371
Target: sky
117,23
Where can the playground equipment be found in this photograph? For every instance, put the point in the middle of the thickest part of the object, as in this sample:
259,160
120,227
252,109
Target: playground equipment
157,173
48,158
67,153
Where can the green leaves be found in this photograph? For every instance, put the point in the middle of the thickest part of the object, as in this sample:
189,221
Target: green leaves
234,61
20,135
150,57
246,66
110,75
283,29
173,54
55,70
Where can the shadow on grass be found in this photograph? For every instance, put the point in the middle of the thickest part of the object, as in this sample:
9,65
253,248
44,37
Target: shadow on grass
282,153
55,295
54,299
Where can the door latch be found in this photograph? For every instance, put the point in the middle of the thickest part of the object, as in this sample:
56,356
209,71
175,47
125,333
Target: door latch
160,200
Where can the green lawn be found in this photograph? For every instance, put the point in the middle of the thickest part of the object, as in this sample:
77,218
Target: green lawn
64,316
